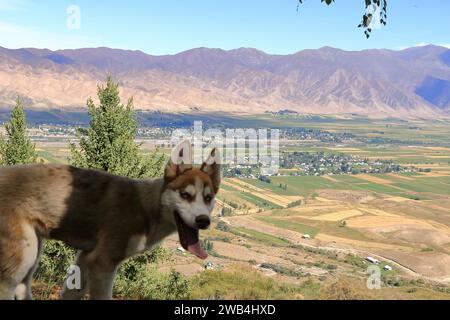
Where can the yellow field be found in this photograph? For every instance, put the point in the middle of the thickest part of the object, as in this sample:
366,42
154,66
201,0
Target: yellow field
433,174
338,216
398,199
386,222
360,244
282,201
381,213
374,179
400,176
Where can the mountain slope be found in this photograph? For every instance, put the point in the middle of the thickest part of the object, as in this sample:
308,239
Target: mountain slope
414,81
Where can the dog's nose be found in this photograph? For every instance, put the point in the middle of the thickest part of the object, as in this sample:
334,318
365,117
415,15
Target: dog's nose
203,221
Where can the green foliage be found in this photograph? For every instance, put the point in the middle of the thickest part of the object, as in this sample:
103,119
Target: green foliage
368,16
344,289
261,237
138,278
108,144
282,270
55,261
131,268
240,282
223,226
295,204
354,260
17,149
207,245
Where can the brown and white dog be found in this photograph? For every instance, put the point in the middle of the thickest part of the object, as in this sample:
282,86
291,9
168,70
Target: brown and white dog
106,217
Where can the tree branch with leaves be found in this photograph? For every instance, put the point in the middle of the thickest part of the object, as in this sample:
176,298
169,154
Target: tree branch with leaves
372,7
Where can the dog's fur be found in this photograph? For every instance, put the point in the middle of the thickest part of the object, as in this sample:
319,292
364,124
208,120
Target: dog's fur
106,217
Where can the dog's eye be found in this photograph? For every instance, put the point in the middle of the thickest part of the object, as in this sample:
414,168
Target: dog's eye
208,198
185,195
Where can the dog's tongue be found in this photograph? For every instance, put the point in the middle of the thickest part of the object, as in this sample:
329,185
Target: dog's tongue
189,239
197,250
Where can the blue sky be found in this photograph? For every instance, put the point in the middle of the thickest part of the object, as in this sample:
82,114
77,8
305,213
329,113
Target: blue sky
172,26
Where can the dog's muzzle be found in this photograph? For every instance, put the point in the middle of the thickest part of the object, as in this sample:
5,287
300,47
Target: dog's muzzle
203,222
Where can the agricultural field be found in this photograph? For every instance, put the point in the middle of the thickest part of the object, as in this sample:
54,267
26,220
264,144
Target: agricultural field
401,219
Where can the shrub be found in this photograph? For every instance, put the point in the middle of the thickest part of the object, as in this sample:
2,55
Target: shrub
56,259
137,278
240,282
207,245
223,226
343,289
143,282
282,270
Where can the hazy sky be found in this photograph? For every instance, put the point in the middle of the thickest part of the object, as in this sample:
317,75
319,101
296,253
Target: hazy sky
171,26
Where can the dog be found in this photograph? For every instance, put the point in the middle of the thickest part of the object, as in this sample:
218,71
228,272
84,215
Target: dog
107,218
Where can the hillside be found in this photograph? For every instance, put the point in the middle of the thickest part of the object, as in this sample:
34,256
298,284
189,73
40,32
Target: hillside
411,82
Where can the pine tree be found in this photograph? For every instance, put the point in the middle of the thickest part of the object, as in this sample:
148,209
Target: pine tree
108,144
17,149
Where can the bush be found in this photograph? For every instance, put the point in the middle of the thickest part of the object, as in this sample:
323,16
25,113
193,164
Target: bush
144,282
295,204
207,245
56,259
282,270
240,282
343,289
223,226
137,278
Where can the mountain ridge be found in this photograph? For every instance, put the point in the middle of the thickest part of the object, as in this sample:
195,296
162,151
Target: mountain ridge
376,82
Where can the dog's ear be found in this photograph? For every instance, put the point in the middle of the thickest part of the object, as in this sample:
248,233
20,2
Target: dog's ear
212,168
180,161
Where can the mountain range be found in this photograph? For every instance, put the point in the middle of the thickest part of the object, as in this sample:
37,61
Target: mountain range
381,83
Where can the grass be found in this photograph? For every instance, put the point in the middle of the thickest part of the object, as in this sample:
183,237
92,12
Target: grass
244,283
49,158
274,187
293,226
262,237
262,203
227,188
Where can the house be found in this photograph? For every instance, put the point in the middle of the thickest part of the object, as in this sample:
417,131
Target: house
373,260
306,237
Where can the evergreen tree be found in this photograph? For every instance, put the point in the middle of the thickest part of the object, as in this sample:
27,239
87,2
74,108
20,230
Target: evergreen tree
108,144
17,149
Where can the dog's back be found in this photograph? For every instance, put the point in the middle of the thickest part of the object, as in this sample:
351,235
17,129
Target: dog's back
63,203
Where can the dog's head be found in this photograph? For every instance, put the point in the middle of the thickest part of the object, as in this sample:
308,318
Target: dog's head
190,195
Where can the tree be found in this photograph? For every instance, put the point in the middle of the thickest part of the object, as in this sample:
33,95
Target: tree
375,9
17,149
108,144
